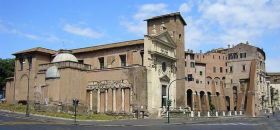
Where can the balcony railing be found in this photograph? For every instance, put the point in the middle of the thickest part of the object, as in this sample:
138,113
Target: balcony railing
65,64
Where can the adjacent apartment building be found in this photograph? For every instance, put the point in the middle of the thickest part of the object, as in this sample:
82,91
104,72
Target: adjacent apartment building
134,75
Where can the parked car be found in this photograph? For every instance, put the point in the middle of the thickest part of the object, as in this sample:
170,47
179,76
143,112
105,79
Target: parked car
3,100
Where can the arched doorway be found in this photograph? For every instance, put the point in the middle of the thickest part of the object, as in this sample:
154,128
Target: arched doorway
189,98
234,90
209,98
218,104
228,103
202,100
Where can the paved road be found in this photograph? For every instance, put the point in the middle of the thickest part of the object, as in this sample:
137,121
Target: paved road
17,122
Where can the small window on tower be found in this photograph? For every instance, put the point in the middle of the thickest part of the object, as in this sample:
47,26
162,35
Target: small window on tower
101,62
179,36
163,66
244,67
123,60
21,61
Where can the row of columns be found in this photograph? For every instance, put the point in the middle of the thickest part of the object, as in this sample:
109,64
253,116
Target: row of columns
110,100
201,102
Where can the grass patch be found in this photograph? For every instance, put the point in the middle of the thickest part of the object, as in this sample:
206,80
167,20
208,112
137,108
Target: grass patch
22,108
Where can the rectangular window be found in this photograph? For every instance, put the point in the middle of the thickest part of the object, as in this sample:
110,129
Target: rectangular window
242,55
226,70
192,57
81,61
101,62
163,95
197,81
123,60
200,73
235,56
142,57
232,56
21,60
190,77
192,65
214,69
244,67
29,62
230,69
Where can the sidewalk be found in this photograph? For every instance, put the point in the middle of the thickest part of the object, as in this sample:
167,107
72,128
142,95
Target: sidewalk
129,122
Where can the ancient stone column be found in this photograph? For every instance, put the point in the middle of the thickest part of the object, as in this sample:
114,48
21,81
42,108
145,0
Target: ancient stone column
114,100
122,90
109,100
106,100
90,100
98,100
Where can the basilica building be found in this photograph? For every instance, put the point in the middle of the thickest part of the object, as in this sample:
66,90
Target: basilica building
136,75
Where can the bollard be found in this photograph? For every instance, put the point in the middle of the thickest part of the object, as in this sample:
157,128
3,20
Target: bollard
224,114
208,114
229,113
159,113
240,113
198,114
217,114
235,113
192,114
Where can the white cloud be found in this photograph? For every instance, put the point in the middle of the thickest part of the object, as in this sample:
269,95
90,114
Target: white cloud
49,38
136,25
185,8
5,29
148,10
230,21
138,28
82,31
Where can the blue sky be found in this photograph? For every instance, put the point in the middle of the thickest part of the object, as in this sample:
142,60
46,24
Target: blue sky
73,24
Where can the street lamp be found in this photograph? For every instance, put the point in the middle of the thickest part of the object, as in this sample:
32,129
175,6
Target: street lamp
168,103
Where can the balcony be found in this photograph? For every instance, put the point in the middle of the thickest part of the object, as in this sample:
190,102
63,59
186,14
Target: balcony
65,64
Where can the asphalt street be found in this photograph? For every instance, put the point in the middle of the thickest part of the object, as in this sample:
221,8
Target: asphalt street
19,122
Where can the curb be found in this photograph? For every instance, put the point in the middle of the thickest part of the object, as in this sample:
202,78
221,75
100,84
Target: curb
67,121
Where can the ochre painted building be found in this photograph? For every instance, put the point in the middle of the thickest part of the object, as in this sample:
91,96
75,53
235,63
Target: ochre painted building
131,76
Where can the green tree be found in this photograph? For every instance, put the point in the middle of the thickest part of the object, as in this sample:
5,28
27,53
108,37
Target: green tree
7,67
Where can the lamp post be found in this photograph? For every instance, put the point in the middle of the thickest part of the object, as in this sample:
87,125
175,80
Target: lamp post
168,103
75,105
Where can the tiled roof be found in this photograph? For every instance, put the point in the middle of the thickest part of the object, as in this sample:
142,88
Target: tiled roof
37,49
168,15
109,46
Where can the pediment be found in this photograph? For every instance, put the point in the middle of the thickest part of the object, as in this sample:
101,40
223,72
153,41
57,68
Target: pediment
164,78
166,39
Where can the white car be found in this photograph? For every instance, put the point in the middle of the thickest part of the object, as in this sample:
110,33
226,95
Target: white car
3,100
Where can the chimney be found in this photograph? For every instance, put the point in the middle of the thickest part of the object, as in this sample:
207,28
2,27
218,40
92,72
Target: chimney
228,45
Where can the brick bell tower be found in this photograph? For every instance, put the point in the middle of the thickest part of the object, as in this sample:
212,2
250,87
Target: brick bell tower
174,24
